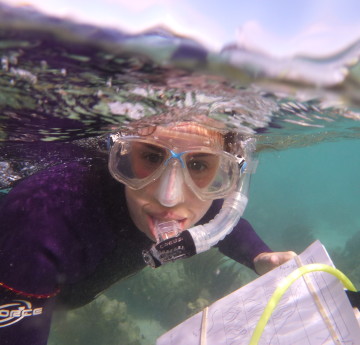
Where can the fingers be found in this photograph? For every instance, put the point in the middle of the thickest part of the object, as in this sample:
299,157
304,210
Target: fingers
284,256
265,262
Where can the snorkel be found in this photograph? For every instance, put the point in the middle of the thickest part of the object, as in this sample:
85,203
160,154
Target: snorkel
207,235
202,237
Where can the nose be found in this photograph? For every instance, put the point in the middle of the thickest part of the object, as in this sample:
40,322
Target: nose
170,190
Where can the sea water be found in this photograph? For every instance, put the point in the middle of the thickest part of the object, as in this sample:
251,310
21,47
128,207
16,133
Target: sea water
311,189
61,82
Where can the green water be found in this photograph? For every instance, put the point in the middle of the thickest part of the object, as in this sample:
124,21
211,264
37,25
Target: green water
314,189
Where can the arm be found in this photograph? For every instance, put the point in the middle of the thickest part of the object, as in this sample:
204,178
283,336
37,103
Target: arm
245,246
48,230
28,284
24,318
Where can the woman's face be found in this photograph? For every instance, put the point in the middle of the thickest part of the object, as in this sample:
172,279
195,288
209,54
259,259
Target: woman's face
147,206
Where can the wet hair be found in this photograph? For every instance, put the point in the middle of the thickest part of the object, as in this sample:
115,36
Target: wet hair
229,140
191,120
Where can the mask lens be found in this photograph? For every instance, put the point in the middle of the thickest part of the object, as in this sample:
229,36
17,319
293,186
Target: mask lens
202,168
213,175
145,159
134,162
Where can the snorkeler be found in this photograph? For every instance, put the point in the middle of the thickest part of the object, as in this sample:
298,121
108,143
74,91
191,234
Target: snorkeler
72,230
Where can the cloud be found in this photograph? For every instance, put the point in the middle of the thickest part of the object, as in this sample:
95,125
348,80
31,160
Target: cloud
316,39
138,15
140,5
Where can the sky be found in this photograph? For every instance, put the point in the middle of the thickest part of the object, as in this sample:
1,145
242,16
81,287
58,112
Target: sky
277,27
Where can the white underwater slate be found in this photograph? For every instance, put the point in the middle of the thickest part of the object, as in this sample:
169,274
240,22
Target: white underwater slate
296,319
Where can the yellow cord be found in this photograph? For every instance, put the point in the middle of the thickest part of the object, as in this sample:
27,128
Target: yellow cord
285,284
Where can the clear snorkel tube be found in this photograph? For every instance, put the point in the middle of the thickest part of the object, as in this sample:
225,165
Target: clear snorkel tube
202,237
207,235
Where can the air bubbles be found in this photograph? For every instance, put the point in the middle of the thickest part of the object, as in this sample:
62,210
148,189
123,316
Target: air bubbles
109,82
43,64
24,74
5,63
132,111
13,59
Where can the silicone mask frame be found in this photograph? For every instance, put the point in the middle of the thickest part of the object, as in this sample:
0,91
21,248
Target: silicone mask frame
119,145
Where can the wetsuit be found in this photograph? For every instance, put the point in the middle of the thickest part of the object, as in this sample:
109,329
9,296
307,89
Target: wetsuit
66,235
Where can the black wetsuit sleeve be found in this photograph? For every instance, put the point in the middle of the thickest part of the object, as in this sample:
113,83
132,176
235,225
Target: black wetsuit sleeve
243,244
49,238
28,274
24,318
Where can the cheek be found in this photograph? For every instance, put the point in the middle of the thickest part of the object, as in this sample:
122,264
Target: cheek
198,207
134,204
137,198
130,198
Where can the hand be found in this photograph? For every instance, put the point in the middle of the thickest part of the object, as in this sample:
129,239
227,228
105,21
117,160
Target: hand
265,262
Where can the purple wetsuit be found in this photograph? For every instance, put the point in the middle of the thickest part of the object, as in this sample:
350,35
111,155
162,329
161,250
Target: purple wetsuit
66,235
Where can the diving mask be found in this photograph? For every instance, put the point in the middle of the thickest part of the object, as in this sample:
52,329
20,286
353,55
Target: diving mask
137,161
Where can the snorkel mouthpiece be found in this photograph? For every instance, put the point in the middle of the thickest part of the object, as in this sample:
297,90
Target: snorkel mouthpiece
166,229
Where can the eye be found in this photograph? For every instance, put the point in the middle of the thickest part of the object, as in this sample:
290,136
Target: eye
152,157
197,166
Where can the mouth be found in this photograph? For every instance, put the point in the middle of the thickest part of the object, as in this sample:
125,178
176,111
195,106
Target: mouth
165,227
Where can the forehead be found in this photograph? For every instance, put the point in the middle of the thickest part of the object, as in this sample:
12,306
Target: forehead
184,137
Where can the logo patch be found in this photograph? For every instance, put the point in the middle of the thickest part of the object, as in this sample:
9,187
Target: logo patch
15,311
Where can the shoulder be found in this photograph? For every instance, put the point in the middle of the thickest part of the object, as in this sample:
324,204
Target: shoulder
60,218
54,186
76,196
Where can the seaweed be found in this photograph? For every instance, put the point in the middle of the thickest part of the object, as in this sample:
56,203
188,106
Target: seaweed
156,300
173,292
215,275
347,258
104,321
